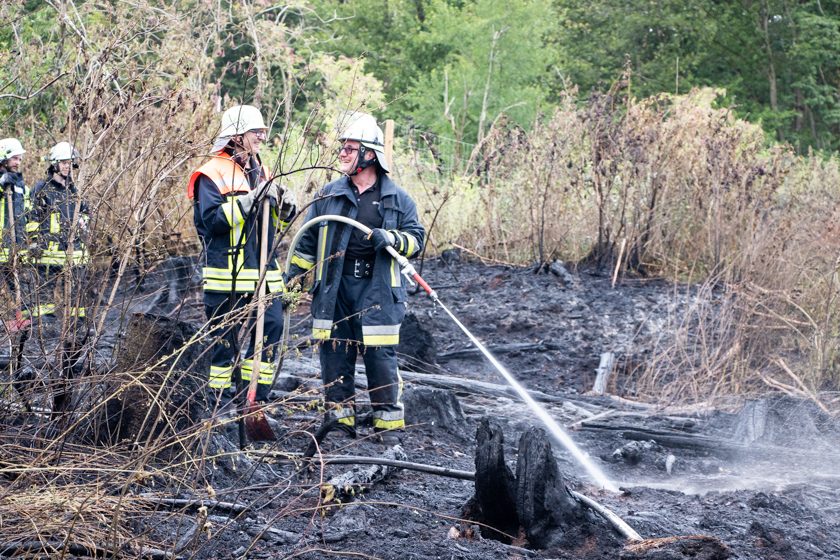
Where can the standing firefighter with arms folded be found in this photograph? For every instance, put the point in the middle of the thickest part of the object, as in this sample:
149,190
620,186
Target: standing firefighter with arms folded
227,192
359,297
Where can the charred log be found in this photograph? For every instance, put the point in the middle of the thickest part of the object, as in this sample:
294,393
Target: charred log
346,486
696,547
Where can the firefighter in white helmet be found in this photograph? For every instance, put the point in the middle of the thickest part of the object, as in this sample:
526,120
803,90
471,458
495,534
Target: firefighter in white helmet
62,219
12,186
359,296
227,191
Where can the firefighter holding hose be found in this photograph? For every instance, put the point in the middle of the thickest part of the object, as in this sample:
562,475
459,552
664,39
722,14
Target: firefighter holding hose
358,293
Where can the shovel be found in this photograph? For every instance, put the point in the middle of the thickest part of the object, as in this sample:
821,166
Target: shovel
256,424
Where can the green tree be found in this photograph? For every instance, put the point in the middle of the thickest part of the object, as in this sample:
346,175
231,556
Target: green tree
777,59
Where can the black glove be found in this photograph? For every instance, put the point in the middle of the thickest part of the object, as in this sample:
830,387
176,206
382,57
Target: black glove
382,238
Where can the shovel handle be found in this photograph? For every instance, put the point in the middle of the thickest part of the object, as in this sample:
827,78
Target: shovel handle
260,328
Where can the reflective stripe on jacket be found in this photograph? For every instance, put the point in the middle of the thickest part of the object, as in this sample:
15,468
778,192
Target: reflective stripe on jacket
322,248
226,233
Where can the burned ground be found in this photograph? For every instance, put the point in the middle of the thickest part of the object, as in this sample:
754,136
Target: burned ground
755,481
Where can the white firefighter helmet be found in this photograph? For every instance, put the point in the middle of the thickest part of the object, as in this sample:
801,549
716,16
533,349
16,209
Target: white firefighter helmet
239,119
363,129
10,147
63,151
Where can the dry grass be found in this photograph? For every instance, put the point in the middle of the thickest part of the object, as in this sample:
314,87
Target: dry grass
695,195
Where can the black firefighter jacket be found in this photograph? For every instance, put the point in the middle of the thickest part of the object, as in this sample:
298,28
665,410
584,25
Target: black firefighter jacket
229,237
55,214
323,246
11,182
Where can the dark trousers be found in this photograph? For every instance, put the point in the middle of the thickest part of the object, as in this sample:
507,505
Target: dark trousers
224,328
338,363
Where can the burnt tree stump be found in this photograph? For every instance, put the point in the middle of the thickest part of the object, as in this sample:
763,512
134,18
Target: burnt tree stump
416,351
157,389
544,505
535,505
494,502
436,408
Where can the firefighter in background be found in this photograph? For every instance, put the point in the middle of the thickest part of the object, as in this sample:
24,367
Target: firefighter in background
60,251
359,297
227,191
11,254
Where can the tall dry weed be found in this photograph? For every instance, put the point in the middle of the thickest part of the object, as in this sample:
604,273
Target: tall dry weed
676,187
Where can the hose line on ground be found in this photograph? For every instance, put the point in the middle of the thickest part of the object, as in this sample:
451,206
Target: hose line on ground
611,517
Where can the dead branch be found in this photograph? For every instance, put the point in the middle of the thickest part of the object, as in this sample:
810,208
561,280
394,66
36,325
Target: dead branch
195,503
284,457
32,94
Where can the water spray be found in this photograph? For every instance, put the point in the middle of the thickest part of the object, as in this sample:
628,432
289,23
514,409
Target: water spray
408,270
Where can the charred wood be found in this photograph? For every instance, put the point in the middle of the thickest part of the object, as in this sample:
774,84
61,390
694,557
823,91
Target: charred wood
712,445
346,486
495,485
696,547
473,386
434,407
195,503
545,506
499,349
545,511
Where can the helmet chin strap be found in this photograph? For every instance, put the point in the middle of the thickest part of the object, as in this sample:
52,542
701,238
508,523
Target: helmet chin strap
361,162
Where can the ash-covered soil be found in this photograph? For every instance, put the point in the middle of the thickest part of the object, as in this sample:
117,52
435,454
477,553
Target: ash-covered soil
759,481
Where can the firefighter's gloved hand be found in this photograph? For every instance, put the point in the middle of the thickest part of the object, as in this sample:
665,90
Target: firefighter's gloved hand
247,201
288,204
382,238
7,180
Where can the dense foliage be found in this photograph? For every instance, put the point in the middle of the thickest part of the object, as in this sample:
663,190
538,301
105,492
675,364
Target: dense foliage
453,66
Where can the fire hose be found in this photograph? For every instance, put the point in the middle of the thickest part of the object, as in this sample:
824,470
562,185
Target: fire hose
413,277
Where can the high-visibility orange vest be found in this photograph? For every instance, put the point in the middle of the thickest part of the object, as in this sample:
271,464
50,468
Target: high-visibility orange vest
225,173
